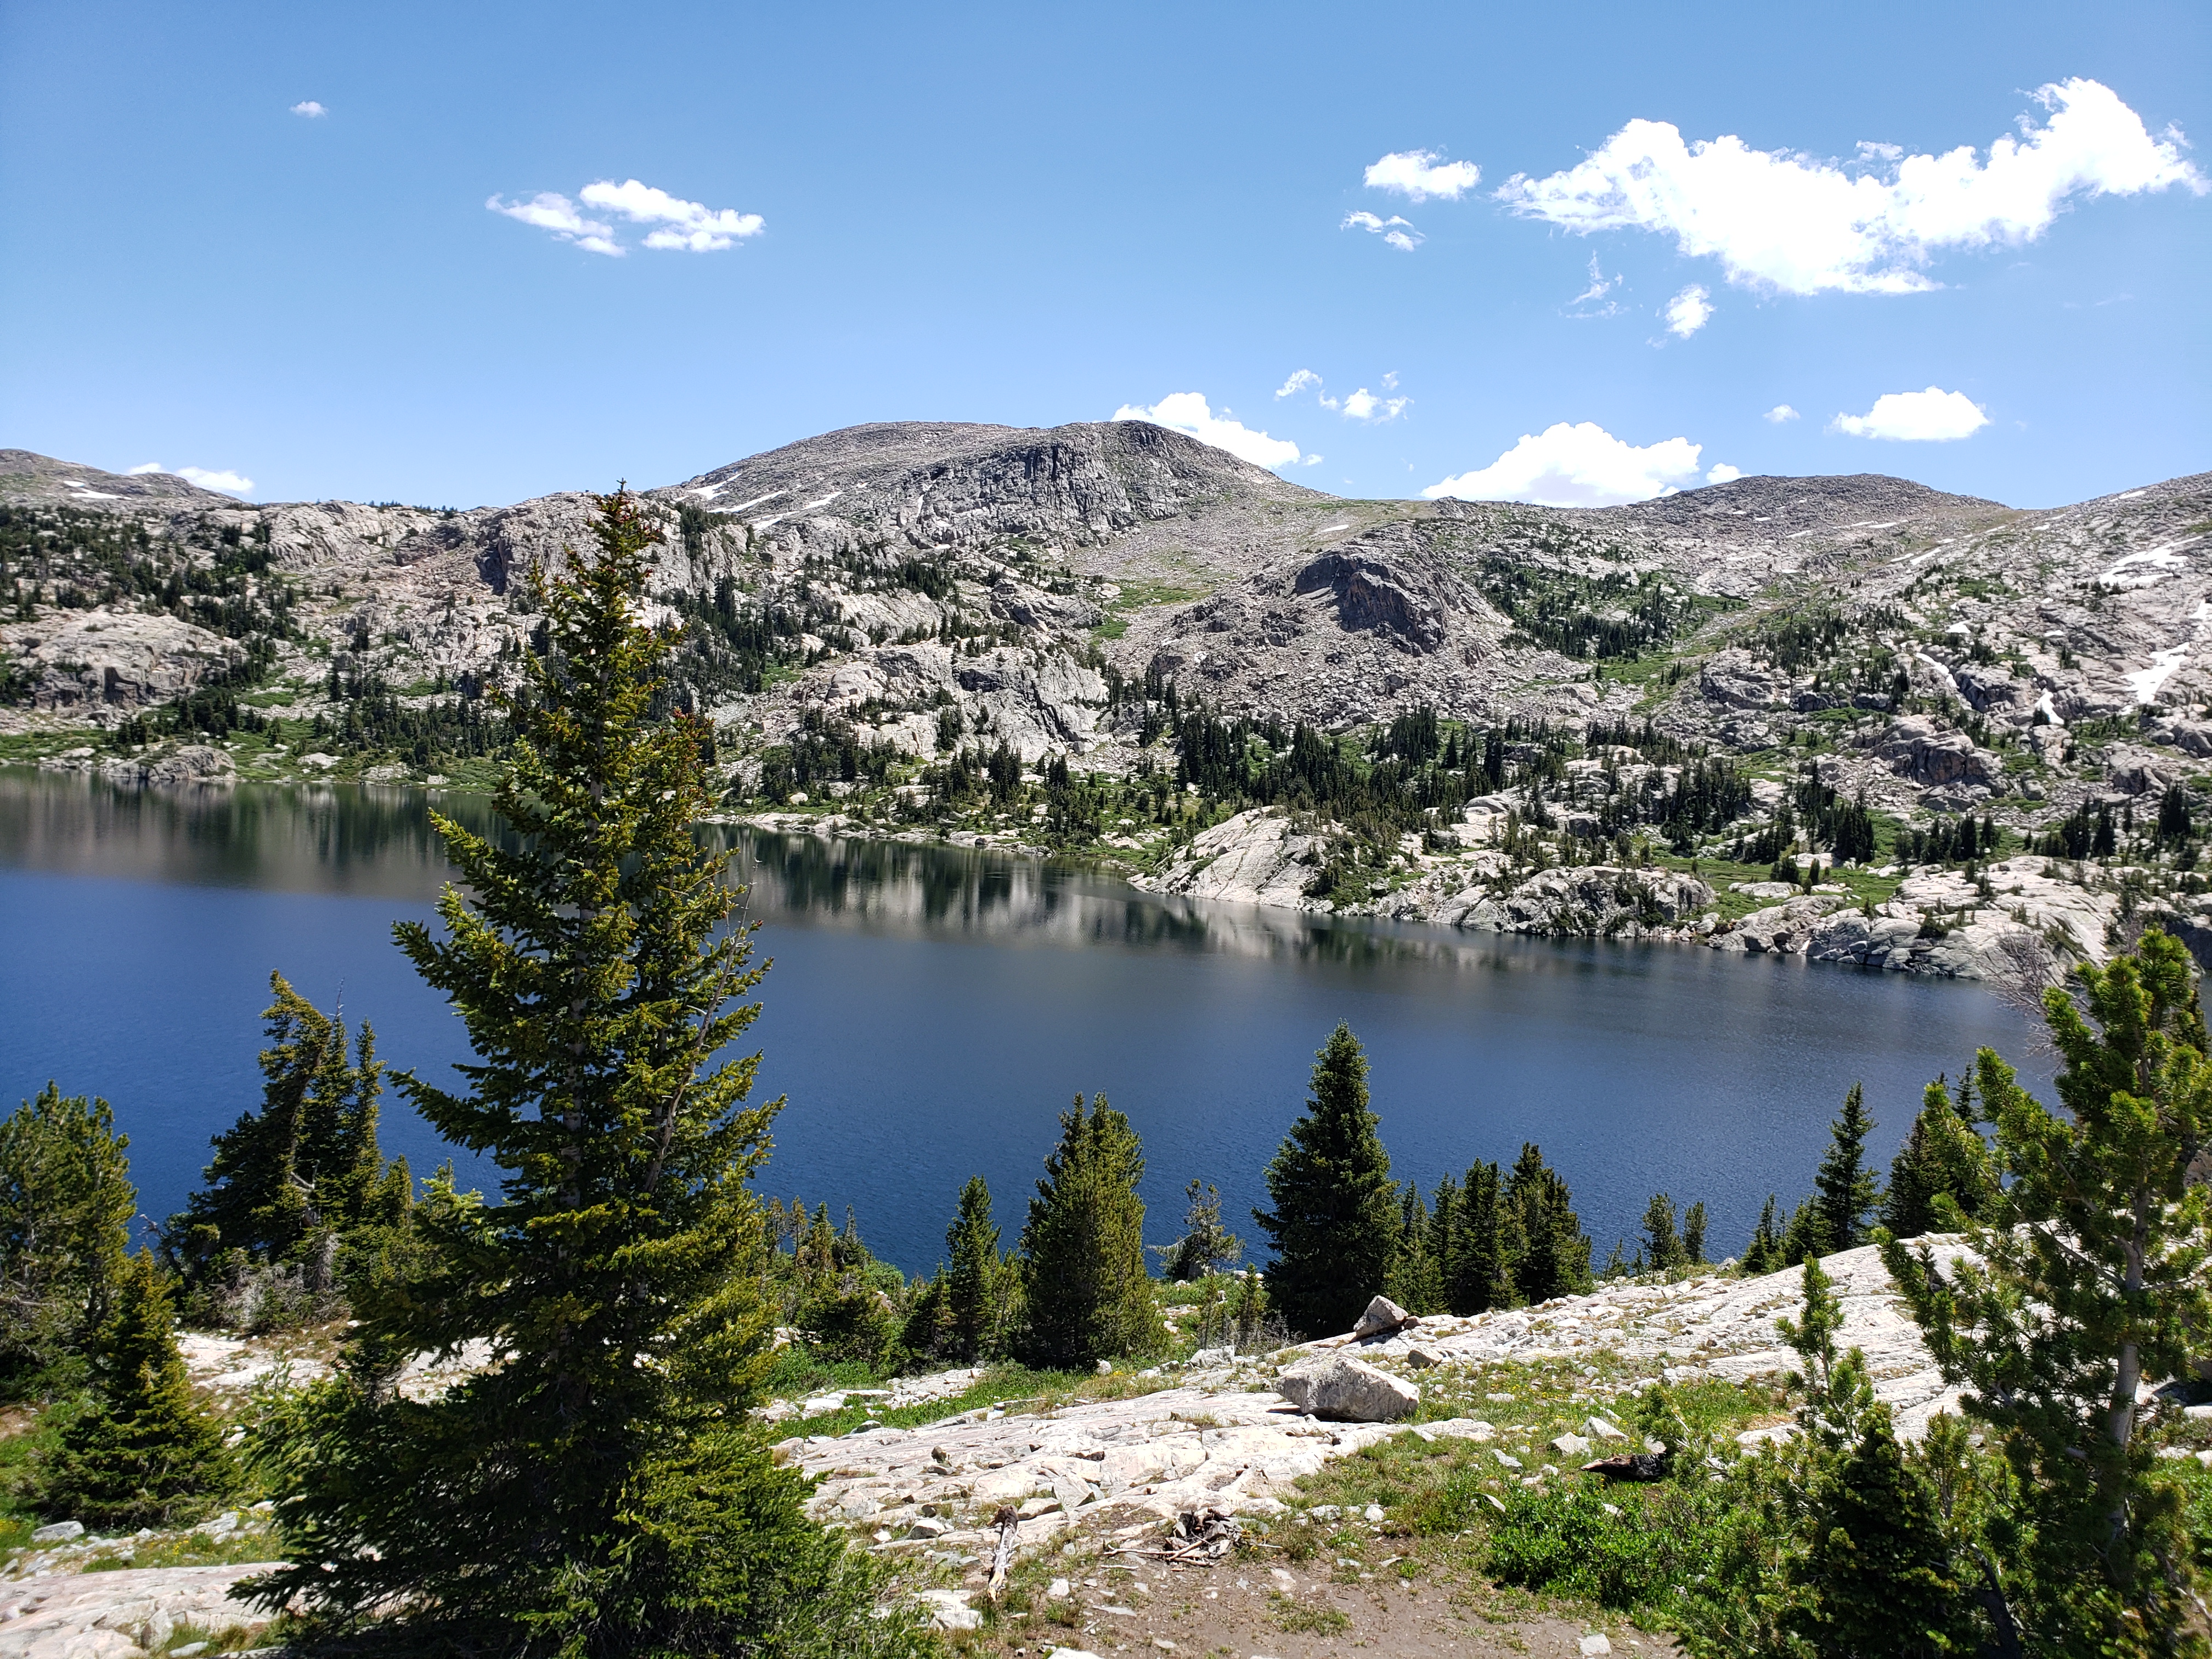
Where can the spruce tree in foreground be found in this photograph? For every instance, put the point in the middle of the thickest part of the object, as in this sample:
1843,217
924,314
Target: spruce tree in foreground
1662,1245
142,1452
1334,1224
978,1280
1085,1295
1844,1189
1764,1255
1942,1178
1484,1242
1554,1257
66,1202
2092,1278
595,1492
291,1181
1206,1247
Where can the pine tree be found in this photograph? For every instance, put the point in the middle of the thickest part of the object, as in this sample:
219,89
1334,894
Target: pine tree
1662,1245
1085,1295
142,1451
1334,1224
978,1279
1943,1176
289,1180
1555,1253
1694,1235
597,1493
1877,1573
2093,1276
1807,1238
1206,1247
1765,1254
66,1202
1846,1189
1485,1242
1415,1281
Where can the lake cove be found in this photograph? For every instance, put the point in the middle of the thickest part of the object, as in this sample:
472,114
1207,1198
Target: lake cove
932,1009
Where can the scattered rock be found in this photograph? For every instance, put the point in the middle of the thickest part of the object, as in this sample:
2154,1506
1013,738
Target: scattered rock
1382,1316
949,1610
1349,1390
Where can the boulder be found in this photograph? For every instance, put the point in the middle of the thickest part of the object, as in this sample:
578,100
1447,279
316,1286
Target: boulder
948,1610
1382,1316
1349,1390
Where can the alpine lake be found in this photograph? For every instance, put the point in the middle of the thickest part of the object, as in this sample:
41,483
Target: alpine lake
931,1010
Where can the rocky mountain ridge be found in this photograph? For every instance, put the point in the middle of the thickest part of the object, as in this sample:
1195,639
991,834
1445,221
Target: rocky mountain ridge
870,615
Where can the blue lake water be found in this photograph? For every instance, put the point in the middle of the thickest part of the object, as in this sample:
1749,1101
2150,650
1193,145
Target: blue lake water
931,1011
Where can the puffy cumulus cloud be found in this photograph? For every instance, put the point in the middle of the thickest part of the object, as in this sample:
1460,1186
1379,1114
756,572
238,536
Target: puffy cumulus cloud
1365,405
1421,174
1188,412
689,227
549,210
311,109
229,483
1375,408
1394,230
1722,472
1795,224
1687,311
1779,413
1931,416
1578,465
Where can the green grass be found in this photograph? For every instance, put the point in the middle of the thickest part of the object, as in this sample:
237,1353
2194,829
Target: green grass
18,748
1015,1387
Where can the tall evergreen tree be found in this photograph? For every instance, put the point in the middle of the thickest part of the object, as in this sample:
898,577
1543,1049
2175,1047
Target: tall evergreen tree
1846,1190
978,1279
1555,1253
1943,1176
1206,1247
1485,1243
289,1180
1415,1281
1764,1255
1662,1245
66,1202
1085,1295
1693,1234
595,1493
1878,1574
1334,1224
142,1451
2094,1274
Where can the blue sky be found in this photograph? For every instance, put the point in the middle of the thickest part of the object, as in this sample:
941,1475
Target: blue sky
1033,214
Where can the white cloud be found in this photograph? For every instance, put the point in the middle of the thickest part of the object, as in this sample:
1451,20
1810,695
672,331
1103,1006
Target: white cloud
1779,413
1931,416
230,483
1187,412
1365,405
1688,311
1580,465
1795,224
311,109
1361,405
550,211
687,226
1421,174
691,226
1394,230
1594,295
1723,472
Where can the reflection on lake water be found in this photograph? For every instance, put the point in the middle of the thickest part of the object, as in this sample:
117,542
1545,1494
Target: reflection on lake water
931,1009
